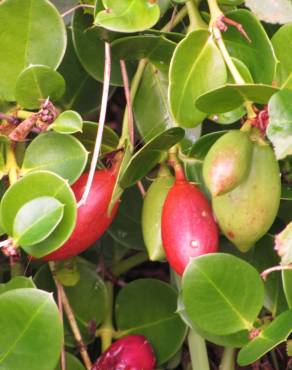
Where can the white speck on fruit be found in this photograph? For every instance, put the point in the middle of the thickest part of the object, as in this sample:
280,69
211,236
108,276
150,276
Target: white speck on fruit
204,214
194,244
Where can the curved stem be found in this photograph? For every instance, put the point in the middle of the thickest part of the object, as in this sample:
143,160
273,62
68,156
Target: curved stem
11,165
177,19
198,351
102,116
106,331
196,21
128,263
228,359
75,8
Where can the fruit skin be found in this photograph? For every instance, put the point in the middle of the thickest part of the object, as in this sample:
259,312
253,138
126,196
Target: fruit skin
246,213
228,162
188,227
92,218
129,353
151,214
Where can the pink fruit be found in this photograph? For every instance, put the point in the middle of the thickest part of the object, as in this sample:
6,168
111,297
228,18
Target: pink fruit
129,353
188,227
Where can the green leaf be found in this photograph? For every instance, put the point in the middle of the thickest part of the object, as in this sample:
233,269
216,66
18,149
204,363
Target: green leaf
90,49
280,123
35,34
31,330
126,227
34,185
72,363
257,55
287,284
90,310
157,49
229,97
228,118
149,156
275,333
36,83
229,287
61,154
83,93
286,193
152,115
110,139
36,220
68,122
280,40
17,282
148,307
128,16
271,11
201,147
197,66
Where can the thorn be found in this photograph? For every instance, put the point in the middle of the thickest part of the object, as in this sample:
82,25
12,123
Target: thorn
237,25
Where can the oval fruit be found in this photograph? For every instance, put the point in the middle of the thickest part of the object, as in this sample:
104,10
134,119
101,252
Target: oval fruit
246,213
188,227
227,162
92,218
151,214
129,353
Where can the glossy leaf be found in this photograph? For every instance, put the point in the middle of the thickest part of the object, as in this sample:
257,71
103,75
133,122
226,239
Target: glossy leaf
90,49
152,115
261,68
157,49
148,307
197,66
229,97
34,185
35,34
110,139
26,314
67,122
83,93
90,310
72,363
150,155
126,227
36,220
271,11
18,282
201,147
280,40
230,289
36,83
280,123
287,284
61,154
275,333
128,16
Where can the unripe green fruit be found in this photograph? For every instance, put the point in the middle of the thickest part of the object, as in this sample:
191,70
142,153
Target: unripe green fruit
151,214
228,162
246,213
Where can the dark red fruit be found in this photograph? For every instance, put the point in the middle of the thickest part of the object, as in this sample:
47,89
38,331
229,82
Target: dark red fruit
92,218
187,226
129,353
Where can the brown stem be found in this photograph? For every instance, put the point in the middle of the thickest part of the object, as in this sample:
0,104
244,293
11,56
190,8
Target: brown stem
72,321
60,306
176,165
24,128
129,100
141,188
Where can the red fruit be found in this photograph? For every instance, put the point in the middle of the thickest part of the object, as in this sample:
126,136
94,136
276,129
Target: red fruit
129,353
187,226
92,218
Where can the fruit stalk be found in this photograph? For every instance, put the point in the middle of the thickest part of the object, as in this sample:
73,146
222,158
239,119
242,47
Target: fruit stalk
106,330
198,351
228,359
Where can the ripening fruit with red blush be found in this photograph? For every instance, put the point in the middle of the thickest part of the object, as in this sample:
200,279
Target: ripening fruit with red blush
129,353
187,226
92,217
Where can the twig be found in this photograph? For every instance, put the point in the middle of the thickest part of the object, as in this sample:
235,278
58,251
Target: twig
60,306
75,8
24,128
129,101
266,272
170,24
103,108
72,321
141,188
